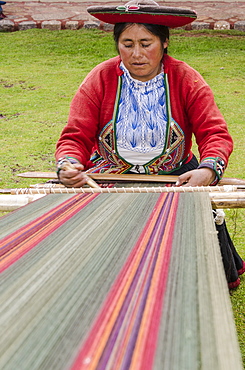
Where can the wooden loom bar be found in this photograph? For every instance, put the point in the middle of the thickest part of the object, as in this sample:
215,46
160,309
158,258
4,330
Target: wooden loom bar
220,196
226,196
128,177
155,189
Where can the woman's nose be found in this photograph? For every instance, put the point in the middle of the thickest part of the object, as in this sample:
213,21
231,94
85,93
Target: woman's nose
136,50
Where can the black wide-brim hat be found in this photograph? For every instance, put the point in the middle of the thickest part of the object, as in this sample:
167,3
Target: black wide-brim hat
143,11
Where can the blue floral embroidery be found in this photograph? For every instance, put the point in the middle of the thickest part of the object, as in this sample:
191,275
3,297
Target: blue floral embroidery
142,117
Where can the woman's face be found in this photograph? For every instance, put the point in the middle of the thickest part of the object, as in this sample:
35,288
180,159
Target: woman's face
141,52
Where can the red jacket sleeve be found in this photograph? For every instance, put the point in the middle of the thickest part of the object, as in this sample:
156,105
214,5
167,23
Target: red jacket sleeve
78,136
91,109
193,105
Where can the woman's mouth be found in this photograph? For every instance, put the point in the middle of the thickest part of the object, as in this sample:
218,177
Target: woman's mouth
138,64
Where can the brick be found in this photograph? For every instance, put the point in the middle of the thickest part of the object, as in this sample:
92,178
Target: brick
72,25
91,24
239,26
200,26
6,25
222,25
51,25
27,25
108,27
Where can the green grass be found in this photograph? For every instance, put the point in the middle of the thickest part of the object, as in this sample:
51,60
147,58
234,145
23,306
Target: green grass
41,70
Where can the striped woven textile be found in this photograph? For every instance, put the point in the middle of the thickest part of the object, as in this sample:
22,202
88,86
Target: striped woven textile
114,281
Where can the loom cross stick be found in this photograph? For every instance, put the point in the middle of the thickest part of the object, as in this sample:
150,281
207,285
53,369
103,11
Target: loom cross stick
127,177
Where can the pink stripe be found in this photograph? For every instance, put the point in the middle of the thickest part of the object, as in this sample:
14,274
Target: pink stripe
155,318
114,292
13,248
158,286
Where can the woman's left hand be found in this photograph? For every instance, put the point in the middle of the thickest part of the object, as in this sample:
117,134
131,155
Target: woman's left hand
199,177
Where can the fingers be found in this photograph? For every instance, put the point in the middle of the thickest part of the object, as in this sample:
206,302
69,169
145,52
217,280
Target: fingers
183,179
78,166
197,177
74,177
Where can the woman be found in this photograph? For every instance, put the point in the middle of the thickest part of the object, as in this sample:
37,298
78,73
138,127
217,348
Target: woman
138,112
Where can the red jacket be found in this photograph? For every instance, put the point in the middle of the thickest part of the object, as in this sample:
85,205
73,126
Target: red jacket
190,102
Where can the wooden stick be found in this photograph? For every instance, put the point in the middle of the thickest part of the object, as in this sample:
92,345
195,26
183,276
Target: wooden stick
227,203
164,189
231,181
229,195
228,200
127,177
59,188
39,175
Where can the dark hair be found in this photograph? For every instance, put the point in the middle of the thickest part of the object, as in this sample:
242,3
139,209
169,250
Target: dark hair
156,29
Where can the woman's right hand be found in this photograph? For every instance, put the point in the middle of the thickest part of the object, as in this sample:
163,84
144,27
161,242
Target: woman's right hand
73,178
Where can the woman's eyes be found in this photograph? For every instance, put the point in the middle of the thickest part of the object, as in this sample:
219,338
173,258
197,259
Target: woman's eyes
143,46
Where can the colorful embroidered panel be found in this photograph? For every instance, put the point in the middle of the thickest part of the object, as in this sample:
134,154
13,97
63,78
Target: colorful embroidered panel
114,281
